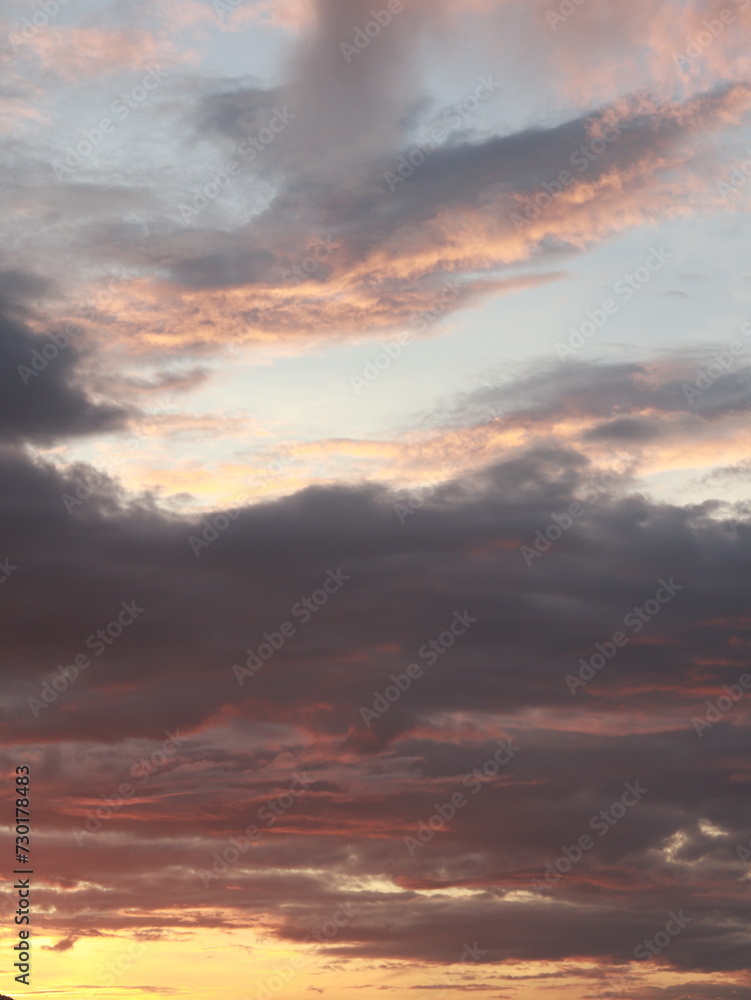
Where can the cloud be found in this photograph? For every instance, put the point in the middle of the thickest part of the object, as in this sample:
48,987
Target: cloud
372,785
64,944
475,211
41,396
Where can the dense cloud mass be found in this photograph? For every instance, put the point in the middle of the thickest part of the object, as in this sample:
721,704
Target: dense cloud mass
401,577
374,537
41,395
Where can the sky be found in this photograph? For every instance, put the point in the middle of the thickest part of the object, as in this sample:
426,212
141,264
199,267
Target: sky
374,524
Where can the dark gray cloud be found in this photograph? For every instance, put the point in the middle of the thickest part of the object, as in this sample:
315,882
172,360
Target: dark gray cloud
617,394
171,670
41,393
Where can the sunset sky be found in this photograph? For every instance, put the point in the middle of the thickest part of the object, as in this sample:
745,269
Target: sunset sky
375,459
